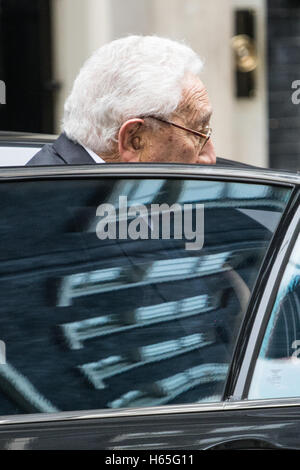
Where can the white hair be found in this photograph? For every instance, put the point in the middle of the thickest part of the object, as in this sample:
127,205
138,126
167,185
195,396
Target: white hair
130,77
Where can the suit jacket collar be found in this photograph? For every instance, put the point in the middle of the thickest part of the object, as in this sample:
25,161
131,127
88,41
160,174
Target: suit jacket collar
71,152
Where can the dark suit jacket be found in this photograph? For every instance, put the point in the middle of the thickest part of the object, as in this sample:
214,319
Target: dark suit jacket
66,152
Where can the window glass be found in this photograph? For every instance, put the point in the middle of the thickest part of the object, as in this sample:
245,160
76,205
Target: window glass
277,370
124,293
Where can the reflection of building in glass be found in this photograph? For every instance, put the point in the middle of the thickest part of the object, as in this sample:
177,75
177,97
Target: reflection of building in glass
78,332
139,275
24,392
88,322
97,371
163,391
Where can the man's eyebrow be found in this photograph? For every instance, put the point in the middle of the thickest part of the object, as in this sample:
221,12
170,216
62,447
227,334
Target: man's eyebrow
203,118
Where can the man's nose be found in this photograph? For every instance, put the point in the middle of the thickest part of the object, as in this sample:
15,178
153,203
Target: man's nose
208,155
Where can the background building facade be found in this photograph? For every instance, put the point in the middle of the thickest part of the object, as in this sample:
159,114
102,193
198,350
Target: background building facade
45,42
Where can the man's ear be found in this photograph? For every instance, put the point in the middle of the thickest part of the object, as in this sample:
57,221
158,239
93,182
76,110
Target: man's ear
130,141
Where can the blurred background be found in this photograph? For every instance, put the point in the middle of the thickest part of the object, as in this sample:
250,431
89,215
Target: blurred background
251,50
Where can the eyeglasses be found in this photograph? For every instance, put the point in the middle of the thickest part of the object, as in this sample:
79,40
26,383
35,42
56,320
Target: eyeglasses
203,137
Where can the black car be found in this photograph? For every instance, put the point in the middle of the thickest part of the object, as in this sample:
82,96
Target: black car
149,306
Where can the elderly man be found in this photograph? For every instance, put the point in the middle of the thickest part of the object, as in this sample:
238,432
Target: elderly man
136,99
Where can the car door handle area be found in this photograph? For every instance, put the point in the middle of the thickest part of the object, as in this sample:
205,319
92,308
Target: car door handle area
248,443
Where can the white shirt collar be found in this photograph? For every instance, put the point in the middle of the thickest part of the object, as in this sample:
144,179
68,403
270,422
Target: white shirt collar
94,155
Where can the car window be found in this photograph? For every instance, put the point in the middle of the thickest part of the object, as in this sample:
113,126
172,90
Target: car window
125,292
277,369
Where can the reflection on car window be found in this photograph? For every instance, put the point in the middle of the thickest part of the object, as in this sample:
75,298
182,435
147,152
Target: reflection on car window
277,370
96,316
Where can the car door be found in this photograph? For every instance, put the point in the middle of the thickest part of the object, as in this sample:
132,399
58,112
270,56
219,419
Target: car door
128,294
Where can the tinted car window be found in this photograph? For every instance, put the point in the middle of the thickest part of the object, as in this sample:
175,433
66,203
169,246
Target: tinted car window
125,293
277,370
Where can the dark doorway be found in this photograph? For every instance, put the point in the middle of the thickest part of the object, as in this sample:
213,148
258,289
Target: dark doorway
26,66
283,23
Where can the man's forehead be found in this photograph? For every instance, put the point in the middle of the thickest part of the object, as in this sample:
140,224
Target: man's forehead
193,87
195,100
